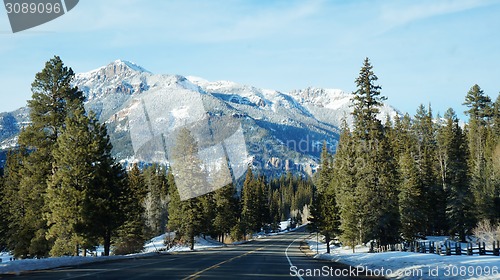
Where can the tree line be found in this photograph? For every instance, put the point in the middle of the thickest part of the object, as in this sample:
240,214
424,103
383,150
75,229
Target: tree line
409,177
62,192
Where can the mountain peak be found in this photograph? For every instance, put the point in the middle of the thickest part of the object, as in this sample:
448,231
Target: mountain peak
128,64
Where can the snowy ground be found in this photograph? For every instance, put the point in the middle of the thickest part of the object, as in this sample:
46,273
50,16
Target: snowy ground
152,247
405,265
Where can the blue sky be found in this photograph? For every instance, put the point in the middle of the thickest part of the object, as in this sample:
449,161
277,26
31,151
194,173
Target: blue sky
422,51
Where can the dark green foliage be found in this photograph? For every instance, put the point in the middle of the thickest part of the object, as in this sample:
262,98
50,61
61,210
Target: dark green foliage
3,215
52,101
481,140
478,103
186,216
365,175
63,189
411,196
367,100
226,211
496,117
324,210
87,191
433,201
69,185
249,204
344,179
456,183
132,233
155,200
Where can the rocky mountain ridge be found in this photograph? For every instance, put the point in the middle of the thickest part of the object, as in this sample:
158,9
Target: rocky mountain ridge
282,131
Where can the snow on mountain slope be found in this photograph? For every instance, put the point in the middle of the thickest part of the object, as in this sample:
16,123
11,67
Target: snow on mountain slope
282,131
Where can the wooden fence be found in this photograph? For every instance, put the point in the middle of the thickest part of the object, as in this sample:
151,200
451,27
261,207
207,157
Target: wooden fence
447,248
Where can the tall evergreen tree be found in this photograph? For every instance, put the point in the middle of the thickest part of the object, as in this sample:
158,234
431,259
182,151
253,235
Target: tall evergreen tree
52,100
3,214
478,130
69,185
325,213
249,204
17,236
191,183
345,180
375,179
455,177
155,201
410,199
496,117
433,200
225,211
132,234
478,103
107,197
367,101
86,192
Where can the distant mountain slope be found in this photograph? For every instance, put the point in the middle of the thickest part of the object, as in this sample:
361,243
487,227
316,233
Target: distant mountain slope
282,131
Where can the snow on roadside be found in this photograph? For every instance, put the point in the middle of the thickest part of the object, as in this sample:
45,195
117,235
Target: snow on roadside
151,248
407,265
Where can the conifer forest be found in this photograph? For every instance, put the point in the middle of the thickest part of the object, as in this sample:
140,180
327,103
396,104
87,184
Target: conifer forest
398,179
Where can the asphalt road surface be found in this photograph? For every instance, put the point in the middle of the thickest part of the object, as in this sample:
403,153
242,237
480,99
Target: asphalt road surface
276,257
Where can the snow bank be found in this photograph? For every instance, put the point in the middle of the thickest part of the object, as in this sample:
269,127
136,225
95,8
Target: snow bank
407,265
151,248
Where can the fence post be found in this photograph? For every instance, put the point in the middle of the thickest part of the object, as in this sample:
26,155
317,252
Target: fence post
496,248
469,249
458,249
448,249
431,247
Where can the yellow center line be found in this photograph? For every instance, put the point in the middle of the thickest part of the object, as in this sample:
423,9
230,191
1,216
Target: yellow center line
197,274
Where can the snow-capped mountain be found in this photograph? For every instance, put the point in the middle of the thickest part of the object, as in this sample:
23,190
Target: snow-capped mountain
282,131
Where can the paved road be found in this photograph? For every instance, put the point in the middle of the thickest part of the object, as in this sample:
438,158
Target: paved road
277,257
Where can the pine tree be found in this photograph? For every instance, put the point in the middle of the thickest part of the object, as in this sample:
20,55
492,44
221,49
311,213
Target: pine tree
107,197
344,179
52,100
3,214
17,237
69,185
411,196
262,201
367,100
249,206
132,234
478,103
374,182
175,214
225,211
496,117
478,130
325,213
190,180
434,200
208,208
86,192
155,202
455,177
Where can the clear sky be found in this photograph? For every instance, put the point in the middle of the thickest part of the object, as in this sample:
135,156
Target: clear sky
422,51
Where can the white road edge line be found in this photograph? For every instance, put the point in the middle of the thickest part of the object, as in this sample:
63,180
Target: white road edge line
288,258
